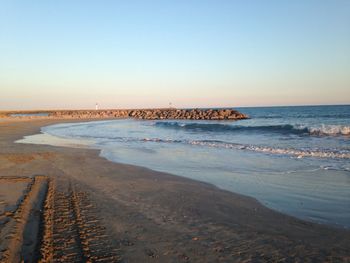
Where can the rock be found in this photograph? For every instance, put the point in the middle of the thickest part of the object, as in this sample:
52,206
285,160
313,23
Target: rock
154,114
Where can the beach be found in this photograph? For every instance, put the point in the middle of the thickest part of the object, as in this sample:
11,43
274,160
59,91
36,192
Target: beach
84,207
174,131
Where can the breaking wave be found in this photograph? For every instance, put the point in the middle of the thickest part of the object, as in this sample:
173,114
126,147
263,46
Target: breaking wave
330,130
323,130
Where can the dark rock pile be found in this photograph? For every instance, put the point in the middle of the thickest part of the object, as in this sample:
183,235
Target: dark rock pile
193,114
155,114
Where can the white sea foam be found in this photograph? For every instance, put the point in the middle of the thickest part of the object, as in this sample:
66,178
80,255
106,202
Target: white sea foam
281,151
330,130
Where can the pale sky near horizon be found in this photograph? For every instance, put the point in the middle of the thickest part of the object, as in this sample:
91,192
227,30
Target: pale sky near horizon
125,54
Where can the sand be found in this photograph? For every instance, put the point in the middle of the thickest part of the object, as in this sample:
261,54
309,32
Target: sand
73,206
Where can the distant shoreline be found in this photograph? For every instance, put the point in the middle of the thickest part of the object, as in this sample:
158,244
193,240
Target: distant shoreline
7,111
147,114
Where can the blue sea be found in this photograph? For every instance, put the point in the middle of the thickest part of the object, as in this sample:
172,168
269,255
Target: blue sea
292,159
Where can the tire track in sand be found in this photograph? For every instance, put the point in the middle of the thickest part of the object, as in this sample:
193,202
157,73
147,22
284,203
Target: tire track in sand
71,228
24,227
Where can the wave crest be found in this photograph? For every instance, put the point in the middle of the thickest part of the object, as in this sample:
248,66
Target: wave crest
324,130
217,127
330,130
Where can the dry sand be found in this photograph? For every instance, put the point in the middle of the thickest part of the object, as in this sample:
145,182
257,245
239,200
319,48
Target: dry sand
69,205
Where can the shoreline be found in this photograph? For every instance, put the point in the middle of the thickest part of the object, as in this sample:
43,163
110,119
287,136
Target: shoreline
47,139
168,216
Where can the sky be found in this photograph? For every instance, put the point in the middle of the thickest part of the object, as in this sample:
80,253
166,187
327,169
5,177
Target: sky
136,54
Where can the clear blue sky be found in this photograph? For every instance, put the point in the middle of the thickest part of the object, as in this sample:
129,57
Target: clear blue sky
71,54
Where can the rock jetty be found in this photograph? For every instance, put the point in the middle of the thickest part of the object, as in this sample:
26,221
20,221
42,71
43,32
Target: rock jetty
154,114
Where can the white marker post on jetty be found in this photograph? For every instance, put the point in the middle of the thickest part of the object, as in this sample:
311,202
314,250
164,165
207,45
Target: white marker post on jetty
96,106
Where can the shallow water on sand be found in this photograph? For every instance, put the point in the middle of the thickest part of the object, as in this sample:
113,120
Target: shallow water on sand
292,159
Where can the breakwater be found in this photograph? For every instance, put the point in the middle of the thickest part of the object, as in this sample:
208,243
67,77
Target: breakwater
154,114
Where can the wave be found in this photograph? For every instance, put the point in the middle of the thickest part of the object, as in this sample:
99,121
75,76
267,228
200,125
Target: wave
299,153
330,130
332,116
301,116
324,130
217,127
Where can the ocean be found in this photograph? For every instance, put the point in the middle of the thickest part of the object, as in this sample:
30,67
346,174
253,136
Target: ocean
292,159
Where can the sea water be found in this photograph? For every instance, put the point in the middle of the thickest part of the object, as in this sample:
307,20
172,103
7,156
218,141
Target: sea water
41,114
292,159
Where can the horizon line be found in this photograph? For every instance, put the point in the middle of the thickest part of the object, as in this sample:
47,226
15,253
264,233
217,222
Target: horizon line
138,108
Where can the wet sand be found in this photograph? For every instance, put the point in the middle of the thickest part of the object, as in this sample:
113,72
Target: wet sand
78,207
